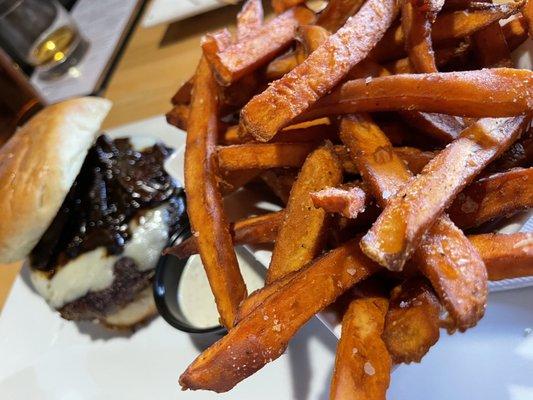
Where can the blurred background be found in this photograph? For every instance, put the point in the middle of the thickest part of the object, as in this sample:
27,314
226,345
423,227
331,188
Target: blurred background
134,52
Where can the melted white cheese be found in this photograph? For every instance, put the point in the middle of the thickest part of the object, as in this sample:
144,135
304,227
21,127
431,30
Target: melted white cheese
93,271
195,298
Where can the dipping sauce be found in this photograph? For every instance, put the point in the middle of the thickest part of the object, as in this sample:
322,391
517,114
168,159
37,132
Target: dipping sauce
195,298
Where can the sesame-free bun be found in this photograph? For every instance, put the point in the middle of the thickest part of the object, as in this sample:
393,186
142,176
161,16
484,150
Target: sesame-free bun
38,166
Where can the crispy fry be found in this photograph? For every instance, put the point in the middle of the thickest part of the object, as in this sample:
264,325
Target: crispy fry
442,127
205,201
281,5
263,155
312,37
337,13
445,256
417,19
442,57
245,56
491,47
263,335
452,25
230,181
412,322
292,134
301,237
294,93
414,209
414,158
183,95
253,230
527,12
515,32
362,363
281,65
506,256
495,196
348,200
256,298
249,19
179,116
498,92
280,182
519,155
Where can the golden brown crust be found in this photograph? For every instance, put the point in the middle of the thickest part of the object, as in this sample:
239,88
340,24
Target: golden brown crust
449,25
263,335
445,256
506,256
498,195
412,322
264,155
362,364
499,92
301,236
414,209
38,165
204,200
295,92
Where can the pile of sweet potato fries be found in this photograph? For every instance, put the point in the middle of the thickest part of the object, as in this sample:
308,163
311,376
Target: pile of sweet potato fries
386,128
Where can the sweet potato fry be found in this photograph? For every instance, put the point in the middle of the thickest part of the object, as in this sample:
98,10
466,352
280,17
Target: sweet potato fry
417,18
295,92
515,32
263,155
498,92
348,200
362,363
204,201
255,299
281,65
249,19
442,57
253,230
301,237
506,256
499,195
281,5
414,209
263,335
179,116
248,54
337,13
312,37
519,155
414,158
442,127
412,321
527,12
450,25
280,182
183,95
491,47
445,256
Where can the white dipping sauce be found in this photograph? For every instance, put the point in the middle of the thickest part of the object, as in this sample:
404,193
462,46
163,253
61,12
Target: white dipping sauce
195,298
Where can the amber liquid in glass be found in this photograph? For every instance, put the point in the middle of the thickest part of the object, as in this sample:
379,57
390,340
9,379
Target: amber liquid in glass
54,47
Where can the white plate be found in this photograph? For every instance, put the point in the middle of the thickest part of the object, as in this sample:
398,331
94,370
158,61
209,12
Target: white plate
45,357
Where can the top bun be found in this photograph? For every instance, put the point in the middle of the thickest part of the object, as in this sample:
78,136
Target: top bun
38,166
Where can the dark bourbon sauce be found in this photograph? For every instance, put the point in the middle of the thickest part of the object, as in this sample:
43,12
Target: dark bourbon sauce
116,183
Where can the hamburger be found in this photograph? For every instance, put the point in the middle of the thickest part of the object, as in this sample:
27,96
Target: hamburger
90,214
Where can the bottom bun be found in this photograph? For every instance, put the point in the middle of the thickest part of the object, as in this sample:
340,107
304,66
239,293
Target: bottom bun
139,312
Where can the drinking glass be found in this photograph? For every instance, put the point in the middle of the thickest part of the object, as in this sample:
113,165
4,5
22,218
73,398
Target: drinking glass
43,34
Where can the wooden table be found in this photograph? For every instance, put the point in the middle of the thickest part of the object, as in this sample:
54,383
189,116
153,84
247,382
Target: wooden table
155,62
